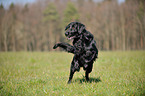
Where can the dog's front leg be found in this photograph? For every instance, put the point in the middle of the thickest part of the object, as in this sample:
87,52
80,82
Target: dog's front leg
67,47
71,76
72,70
74,67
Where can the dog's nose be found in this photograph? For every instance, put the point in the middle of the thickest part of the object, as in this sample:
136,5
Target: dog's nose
66,33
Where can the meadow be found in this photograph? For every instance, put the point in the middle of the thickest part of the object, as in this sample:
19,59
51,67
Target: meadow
115,73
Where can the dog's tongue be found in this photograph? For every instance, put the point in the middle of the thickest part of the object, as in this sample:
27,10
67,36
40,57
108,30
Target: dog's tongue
69,38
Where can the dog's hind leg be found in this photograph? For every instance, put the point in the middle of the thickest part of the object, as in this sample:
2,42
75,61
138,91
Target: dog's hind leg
87,76
88,70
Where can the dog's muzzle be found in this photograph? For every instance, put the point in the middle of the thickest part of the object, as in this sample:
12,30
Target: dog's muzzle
66,33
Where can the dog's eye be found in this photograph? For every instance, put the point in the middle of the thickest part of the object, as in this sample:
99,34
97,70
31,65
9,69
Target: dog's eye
73,28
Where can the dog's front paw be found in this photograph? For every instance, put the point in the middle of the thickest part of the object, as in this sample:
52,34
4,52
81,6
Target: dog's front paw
55,46
69,82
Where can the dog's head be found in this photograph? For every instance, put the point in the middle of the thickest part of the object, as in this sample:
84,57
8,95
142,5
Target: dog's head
74,30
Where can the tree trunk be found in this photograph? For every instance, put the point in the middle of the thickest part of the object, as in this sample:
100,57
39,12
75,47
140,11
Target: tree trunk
51,37
123,30
5,42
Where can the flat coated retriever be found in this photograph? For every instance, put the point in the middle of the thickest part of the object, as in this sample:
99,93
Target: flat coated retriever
84,48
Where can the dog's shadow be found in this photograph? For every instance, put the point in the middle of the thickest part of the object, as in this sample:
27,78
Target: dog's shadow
92,80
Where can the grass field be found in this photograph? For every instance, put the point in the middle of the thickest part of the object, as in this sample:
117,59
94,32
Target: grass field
46,73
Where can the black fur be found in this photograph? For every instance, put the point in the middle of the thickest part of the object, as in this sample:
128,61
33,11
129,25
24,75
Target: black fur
84,48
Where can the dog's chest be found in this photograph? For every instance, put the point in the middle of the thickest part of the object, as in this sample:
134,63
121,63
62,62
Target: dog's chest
78,45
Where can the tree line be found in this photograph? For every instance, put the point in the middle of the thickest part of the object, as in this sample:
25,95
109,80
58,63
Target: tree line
38,26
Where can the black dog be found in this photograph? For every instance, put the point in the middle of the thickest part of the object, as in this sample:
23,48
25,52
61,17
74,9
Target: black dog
84,48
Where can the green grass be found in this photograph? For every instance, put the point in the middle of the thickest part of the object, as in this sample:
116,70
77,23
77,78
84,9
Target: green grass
46,73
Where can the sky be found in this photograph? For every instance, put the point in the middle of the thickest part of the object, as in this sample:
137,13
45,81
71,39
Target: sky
120,1
6,3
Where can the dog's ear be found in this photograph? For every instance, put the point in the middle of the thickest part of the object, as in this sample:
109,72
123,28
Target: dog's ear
88,36
81,27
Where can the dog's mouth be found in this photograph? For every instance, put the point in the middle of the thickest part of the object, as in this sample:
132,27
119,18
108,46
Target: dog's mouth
72,37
